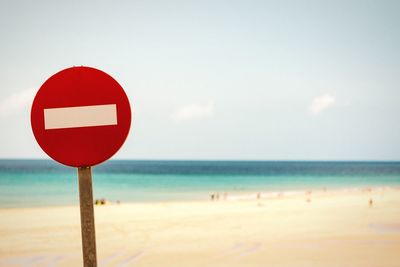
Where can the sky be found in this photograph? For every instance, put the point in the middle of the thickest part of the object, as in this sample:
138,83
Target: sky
217,80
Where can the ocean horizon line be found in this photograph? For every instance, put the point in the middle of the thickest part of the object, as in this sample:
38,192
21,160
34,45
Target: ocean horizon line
222,160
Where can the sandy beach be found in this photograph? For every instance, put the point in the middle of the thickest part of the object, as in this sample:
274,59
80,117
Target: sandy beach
323,228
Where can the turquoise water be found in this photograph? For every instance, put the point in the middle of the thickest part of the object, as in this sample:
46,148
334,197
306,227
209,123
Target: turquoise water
27,183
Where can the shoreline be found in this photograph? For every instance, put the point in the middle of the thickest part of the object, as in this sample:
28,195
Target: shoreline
238,196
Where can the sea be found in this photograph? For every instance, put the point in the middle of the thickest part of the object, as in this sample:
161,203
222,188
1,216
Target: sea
37,183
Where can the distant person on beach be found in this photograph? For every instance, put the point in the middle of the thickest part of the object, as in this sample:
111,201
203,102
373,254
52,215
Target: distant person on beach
101,201
370,202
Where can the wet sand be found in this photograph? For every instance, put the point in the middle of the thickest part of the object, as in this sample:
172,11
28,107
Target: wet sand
323,228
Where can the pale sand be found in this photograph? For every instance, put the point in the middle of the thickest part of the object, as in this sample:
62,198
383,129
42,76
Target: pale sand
333,229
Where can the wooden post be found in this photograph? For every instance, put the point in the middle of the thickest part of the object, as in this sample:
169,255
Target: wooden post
87,217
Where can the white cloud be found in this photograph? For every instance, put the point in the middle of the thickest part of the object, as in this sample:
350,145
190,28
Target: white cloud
193,111
321,103
16,102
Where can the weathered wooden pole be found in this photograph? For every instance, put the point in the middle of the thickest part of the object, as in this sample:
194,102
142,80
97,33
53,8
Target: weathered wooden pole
87,217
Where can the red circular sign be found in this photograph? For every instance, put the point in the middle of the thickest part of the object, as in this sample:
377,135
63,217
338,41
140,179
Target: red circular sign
81,116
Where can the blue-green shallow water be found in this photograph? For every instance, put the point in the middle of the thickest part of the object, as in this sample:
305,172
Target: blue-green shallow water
27,183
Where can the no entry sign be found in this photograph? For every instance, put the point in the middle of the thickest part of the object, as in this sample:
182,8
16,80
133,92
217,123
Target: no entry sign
81,116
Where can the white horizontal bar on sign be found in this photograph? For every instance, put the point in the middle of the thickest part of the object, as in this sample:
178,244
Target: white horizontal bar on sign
83,116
